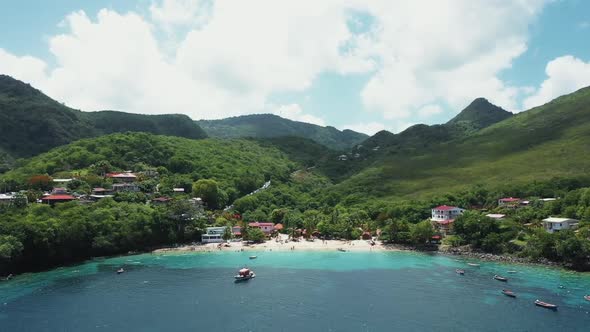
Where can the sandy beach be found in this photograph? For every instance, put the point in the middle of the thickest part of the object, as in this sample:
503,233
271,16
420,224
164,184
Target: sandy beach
283,244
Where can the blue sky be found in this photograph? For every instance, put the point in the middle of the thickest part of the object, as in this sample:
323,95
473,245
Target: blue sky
349,64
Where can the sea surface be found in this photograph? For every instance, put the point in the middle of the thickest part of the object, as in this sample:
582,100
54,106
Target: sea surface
293,291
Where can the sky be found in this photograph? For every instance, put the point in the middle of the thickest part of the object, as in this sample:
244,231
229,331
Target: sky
352,64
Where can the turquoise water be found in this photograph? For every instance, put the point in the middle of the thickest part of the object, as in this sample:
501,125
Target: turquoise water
293,291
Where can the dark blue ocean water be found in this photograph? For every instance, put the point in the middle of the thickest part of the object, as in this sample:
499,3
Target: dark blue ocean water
293,291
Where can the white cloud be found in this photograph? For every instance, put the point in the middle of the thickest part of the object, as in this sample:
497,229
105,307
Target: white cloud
369,128
564,75
295,113
429,110
452,52
227,57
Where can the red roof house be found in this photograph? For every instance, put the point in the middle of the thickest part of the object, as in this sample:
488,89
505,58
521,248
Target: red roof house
266,227
125,177
53,199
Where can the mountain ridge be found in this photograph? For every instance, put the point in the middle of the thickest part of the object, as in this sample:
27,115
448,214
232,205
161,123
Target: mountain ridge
267,125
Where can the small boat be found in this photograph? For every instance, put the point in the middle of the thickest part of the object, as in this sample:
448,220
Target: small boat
340,249
473,264
508,292
512,271
459,271
244,274
500,278
119,271
545,305
253,257
587,297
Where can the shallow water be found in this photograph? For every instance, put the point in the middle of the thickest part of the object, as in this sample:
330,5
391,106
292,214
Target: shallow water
293,291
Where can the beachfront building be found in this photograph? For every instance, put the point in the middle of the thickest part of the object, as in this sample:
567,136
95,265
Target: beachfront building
445,215
236,231
266,227
509,202
213,235
553,224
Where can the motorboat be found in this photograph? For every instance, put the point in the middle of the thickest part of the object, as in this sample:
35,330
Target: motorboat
253,257
545,305
473,264
587,297
459,271
244,274
119,271
500,278
508,292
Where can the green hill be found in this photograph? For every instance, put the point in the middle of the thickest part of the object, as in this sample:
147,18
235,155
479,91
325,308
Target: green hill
269,125
549,141
476,116
222,160
31,122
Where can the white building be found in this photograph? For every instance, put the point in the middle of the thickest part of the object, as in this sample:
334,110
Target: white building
496,216
213,235
445,213
553,225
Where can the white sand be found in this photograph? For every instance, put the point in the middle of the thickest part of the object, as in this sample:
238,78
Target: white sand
283,244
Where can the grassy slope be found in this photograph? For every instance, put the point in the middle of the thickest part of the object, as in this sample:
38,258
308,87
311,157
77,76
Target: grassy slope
269,125
549,141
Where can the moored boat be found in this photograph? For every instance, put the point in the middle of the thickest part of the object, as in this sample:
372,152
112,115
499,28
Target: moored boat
508,292
459,271
253,257
473,264
340,249
587,297
545,305
500,278
119,271
244,274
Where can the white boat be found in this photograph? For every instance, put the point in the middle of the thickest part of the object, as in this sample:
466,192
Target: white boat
245,274
473,264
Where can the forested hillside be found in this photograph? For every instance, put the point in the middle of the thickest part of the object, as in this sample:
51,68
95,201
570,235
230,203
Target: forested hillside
32,123
269,125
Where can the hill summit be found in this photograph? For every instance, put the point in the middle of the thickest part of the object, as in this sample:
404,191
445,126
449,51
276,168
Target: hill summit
480,114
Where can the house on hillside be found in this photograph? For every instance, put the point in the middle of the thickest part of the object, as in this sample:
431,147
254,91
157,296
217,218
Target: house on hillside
509,202
342,157
54,199
213,235
59,191
445,215
553,224
101,191
266,227
122,177
178,190
7,199
161,200
127,186
236,231
496,216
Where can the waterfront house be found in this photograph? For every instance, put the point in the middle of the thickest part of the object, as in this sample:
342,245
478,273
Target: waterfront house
213,235
553,224
7,199
509,202
266,227
236,231
54,199
445,215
